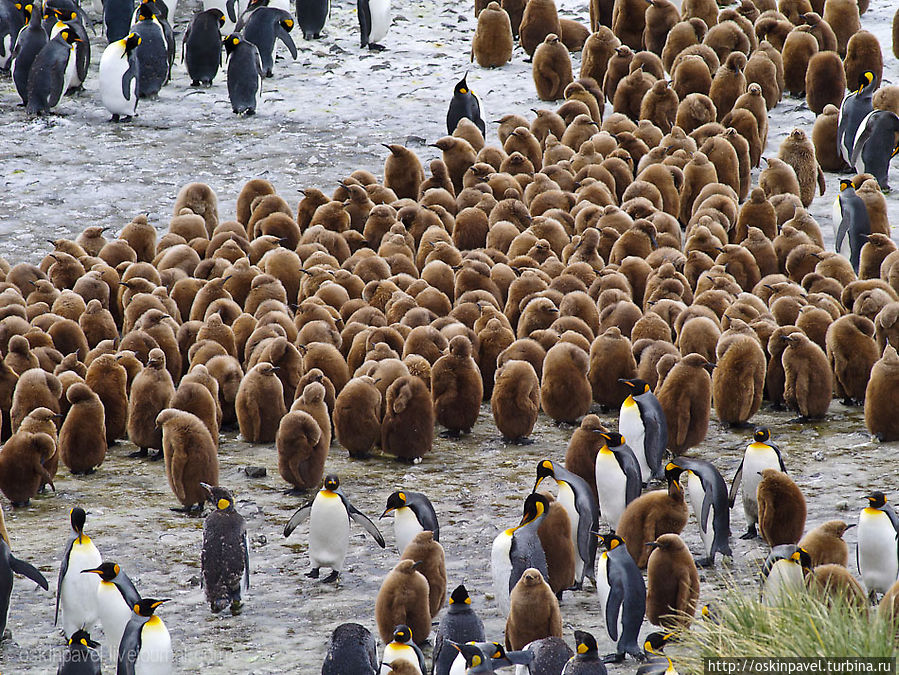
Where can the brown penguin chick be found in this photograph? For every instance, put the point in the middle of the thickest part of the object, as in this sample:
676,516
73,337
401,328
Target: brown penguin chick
799,47
753,101
565,392
863,54
630,92
685,396
82,438
594,100
672,583
407,430
522,140
260,404
729,83
887,98
151,391
661,16
659,105
698,173
825,81
617,69
191,458
357,416
808,387
756,212
611,360
781,508
738,380
629,22
555,539
573,35
432,564
21,469
825,544
852,352
456,387
534,611
874,252
301,455
694,111
686,33
824,138
881,395
650,516
492,44
201,200
875,204
19,357
195,398
403,172
797,151
835,583
97,324
540,19
701,9
91,239
585,444
765,68
596,53
403,599
778,178
109,380
516,399
515,10
458,156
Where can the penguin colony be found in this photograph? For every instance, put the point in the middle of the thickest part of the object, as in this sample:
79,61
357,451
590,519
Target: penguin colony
617,262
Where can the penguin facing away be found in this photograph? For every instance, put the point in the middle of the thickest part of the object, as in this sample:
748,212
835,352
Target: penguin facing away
851,222
119,76
76,593
412,513
465,103
853,110
312,16
146,644
244,74
152,53
459,624
201,47
351,649
586,660
374,22
226,552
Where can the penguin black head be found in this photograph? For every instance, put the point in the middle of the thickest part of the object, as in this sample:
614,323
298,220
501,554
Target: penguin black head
460,596
655,642
219,496
395,501
761,435
534,506
131,42
864,80
710,613
673,473
78,518
107,571
472,654
613,439
846,183
332,482
147,606
462,86
69,36
26,11
402,633
610,540
802,557
585,643
876,500
544,470
220,17
231,42
638,386
145,12
82,638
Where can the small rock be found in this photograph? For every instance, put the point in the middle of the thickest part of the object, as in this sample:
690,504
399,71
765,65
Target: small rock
255,471
818,456
842,505
194,581
260,540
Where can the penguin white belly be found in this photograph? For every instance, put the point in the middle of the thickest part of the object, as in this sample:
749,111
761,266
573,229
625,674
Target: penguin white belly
172,5
566,499
859,166
785,576
501,567
877,557
280,4
399,652
837,219
756,460
458,666
70,78
155,656
7,49
405,527
697,496
114,614
380,19
112,69
603,588
79,591
630,426
611,485
329,531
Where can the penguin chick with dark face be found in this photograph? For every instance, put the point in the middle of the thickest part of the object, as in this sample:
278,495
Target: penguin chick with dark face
351,649
245,74
672,583
412,513
465,103
81,657
264,26
534,611
203,47
226,553
782,508
459,624
622,596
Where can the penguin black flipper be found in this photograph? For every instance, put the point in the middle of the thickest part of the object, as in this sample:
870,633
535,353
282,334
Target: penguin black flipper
364,13
129,648
229,8
363,520
735,485
613,610
424,511
130,76
282,34
28,570
63,568
842,230
245,544
780,459
627,460
656,440
891,514
866,130
298,517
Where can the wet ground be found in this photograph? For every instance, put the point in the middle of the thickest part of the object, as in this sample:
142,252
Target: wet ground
322,117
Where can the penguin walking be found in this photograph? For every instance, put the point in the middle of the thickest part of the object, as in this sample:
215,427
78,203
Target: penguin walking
465,103
876,143
412,513
622,596
51,72
152,53
576,497
374,22
459,625
643,423
76,593
312,16
617,477
226,552
351,649
586,660
761,454
518,549
708,495
10,565
264,26
244,74
146,645
329,528
784,572
855,107
877,552
117,15
116,598
81,656
202,47
119,76
28,45
851,222
402,648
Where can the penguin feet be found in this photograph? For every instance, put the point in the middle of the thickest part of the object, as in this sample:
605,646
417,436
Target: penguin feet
19,504
373,47
521,440
331,578
708,561
618,657
236,608
751,533
143,452
450,433
313,573
156,457
218,605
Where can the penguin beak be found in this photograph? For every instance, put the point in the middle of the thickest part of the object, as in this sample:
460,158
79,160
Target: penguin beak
852,525
386,511
652,544
709,366
92,571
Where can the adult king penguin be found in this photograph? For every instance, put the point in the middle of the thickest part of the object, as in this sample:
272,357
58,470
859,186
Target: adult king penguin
311,17
152,53
412,513
784,572
517,549
9,564
576,497
146,645
402,648
28,45
244,74
52,72
81,657
622,596
855,107
465,103
586,660
876,143
119,77
202,47
761,454
851,222
707,494
263,27
329,528
116,598
374,22
76,593
617,477
877,554
643,423
226,552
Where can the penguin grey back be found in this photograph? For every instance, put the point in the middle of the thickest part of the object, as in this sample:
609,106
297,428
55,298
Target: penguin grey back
351,649
47,77
262,28
716,498
202,46
244,74
225,559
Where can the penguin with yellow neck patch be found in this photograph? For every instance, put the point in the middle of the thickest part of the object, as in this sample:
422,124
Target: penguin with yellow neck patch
761,454
412,513
656,662
617,477
81,657
329,517
76,593
517,549
226,552
116,596
402,648
459,624
643,423
146,645
707,494
784,572
587,660
877,554
622,596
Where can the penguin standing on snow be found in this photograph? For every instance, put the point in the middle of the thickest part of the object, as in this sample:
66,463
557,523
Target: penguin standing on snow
28,45
329,517
202,47
152,53
851,222
374,22
311,16
876,143
119,75
708,496
262,28
9,564
116,598
643,423
146,645
465,103
51,72
877,554
622,596
226,552
82,46
76,593
854,108
412,513
244,74
761,454
617,477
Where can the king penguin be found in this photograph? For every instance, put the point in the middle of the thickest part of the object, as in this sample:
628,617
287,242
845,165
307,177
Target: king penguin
119,77
351,649
81,657
586,660
707,493
9,564
656,662
329,528
244,74
51,73
850,221
876,143
877,553
266,25
202,47
855,107
77,592
225,560
28,45
517,549
82,47
412,513
622,597
643,423
576,497
459,624
784,572
374,22
761,454
312,16
116,598
465,103
117,15
12,20
152,53
617,477
402,648
146,646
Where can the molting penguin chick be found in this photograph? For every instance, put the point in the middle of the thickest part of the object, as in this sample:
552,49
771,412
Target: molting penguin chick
191,457
672,583
781,508
551,69
351,649
534,611
226,552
